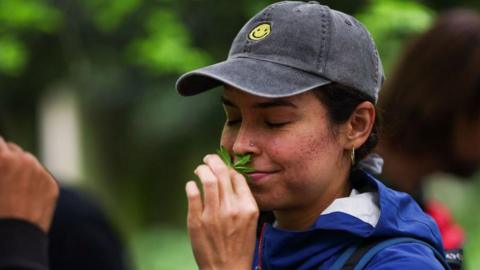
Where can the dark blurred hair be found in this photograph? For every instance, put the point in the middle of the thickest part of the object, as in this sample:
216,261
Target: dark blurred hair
340,102
436,82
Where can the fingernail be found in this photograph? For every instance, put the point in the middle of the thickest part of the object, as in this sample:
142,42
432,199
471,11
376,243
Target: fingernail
190,187
205,158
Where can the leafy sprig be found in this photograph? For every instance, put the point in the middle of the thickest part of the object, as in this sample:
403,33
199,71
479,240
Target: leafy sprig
240,163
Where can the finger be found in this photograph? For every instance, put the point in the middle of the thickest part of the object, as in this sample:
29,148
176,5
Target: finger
3,145
14,148
210,188
222,172
240,185
195,206
52,193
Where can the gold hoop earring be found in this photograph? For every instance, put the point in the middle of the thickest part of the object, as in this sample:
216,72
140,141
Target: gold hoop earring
352,156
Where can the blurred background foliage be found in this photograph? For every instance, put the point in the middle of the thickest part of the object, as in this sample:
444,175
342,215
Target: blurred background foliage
139,140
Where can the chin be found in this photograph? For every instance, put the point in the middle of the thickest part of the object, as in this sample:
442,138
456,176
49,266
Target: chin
265,204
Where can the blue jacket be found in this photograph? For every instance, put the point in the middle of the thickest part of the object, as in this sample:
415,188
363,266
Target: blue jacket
377,212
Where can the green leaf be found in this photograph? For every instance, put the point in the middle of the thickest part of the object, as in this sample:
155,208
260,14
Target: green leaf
241,163
244,169
241,160
225,156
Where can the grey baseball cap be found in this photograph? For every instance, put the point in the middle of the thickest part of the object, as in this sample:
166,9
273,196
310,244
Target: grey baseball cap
291,47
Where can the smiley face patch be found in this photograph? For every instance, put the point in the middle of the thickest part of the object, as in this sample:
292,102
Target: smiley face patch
260,31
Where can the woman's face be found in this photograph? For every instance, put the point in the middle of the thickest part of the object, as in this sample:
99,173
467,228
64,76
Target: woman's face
298,158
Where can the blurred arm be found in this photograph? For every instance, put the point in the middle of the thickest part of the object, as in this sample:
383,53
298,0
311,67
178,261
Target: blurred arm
28,194
23,246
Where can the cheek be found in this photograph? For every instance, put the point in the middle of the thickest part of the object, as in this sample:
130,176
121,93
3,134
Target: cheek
308,157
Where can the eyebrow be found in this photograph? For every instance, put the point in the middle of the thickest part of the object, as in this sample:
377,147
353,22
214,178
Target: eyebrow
277,102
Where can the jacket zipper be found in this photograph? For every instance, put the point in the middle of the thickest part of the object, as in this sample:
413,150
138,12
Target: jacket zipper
260,248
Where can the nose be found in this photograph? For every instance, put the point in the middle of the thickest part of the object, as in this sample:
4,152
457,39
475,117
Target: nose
245,142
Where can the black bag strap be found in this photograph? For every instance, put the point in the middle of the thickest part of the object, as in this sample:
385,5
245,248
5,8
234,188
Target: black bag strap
356,257
454,258
361,250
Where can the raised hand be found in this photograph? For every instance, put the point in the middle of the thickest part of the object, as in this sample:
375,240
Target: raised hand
222,226
27,191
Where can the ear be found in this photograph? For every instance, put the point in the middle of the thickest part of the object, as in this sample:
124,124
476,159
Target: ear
358,127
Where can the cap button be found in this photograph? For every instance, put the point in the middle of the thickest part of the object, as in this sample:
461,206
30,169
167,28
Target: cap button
313,2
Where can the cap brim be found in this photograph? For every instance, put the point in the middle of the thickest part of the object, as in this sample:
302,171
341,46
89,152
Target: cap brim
257,77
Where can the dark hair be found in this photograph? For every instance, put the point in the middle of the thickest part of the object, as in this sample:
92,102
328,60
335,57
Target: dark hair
436,82
340,102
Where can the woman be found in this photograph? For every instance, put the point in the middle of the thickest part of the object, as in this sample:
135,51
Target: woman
433,120
300,85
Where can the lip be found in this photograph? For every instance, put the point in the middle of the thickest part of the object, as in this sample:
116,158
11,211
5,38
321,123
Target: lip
260,176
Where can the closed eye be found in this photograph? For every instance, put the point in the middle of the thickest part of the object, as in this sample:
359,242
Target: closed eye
276,125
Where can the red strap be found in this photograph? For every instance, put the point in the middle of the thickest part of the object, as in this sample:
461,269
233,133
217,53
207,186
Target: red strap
453,235
260,248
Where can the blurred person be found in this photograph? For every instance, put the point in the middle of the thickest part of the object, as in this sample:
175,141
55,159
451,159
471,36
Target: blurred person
27,201
82,237
300,84
431,115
